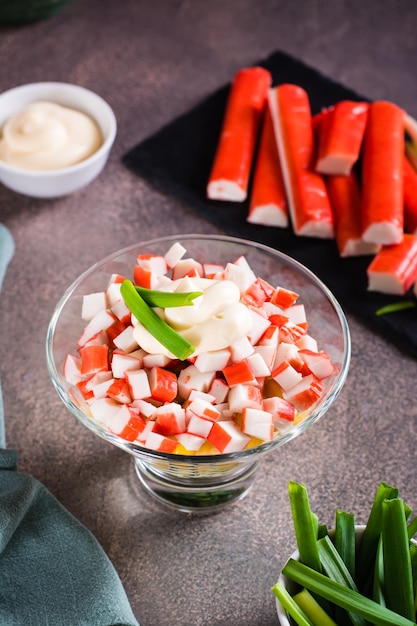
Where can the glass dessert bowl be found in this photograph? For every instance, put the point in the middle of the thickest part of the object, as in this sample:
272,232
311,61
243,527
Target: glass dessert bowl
206,479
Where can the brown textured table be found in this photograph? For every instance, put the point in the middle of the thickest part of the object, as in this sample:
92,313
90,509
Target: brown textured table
154,61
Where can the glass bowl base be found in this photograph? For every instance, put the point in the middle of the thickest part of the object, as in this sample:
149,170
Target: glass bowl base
195,498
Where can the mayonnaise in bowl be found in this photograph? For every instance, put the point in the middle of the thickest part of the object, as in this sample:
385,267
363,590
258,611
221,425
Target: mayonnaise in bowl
46,136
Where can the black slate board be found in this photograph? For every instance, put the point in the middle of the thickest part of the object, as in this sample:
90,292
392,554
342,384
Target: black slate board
177,160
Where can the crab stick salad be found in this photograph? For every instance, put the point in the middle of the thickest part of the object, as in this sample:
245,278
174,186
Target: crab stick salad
348,172
192,358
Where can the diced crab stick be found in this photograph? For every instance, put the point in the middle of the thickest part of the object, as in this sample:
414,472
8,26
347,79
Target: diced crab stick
199,426
240,273
244,395
280,409
410,197
345,196
163,384
238,374
284,297
286,375
190,442
101,321
138,384
306,393
72,369
156,360
318,363
204,409
145,408
156,441
144,277
187,267
93,303
229,176
227,437
308,201
121,362
219,389
94,359
258,365
212,361
394,269
134,426
125,423
267,352
257,293
268,200
340,137
174,254
382,174
153,262
125,340
240,349
191,378
213,270
260,323
257,423
119,390
113,293
170,419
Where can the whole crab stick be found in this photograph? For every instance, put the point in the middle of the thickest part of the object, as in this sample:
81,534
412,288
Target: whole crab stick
410,197
393,270
344,193
341,134
268,201
229,176
382,174
308,201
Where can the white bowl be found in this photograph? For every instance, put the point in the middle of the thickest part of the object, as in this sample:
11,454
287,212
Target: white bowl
60,182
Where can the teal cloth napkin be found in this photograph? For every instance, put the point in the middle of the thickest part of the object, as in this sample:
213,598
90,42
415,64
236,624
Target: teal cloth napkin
53,571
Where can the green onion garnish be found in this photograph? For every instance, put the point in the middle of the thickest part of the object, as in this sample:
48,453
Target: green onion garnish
365,557
312,609
336,569
290,605
162,332
167,299
344,539
398,579
412,527
305,525
346,598
396,306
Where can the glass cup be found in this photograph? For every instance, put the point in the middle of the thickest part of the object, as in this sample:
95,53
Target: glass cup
194,483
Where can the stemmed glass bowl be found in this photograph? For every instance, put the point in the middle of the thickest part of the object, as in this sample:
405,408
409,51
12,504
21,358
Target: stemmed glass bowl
194,483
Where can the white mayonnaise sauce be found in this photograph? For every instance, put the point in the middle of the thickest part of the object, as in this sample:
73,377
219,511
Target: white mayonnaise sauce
214,321
48,136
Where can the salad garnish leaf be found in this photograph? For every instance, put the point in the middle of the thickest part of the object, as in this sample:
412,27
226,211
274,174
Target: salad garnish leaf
167,299
396,306
165,334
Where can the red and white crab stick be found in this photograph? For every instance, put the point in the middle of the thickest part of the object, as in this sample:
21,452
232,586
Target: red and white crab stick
308,201
268,201
340,136
344,193
393,270
229,176
382,174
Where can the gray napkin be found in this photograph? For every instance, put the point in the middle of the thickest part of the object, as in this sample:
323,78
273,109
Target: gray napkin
53,572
